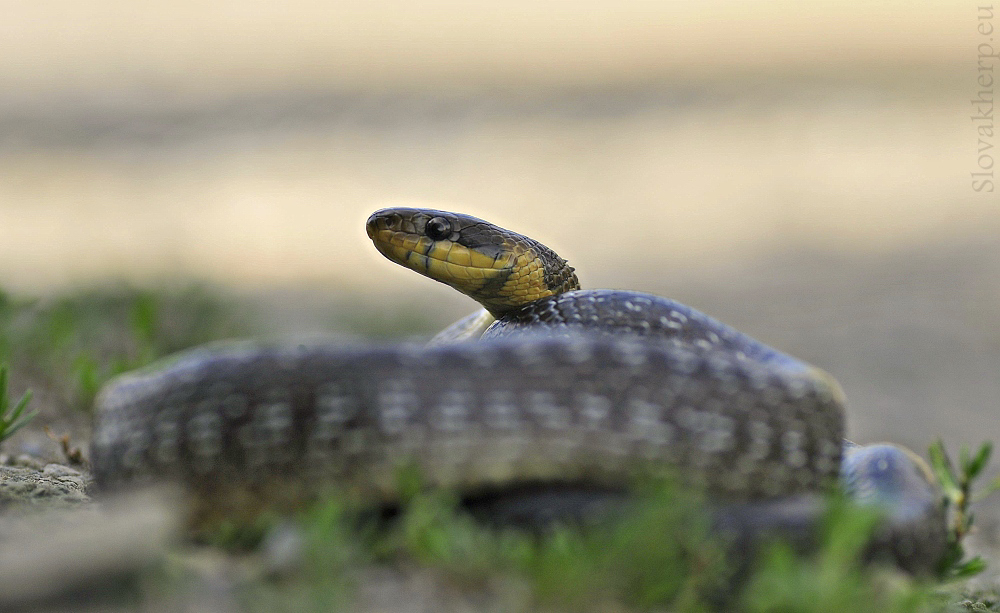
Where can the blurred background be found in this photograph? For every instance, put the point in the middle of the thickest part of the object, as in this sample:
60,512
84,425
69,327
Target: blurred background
800,171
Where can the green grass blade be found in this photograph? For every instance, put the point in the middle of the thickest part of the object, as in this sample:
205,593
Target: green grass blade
977,464
969,569
942,467
988,491
12,420
13,427
3,390
19,408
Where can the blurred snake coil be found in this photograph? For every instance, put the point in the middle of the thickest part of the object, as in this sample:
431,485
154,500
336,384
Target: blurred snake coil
550,386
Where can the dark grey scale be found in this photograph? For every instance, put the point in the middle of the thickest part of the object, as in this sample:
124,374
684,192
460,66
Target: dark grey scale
489,240
485,239
613,312
527,368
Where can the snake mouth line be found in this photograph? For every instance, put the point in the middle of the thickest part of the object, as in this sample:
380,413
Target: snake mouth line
443,260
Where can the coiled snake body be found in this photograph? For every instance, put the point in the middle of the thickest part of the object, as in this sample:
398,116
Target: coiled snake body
567,386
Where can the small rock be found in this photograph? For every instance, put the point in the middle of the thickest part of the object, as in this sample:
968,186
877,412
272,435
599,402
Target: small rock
283,549
28,461
60,557
53,485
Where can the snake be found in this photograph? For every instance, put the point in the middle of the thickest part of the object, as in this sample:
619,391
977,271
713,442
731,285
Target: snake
551,389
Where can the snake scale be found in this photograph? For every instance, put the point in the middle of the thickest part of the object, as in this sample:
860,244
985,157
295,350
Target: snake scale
567,386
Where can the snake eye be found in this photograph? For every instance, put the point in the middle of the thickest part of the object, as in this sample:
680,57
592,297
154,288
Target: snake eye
437,229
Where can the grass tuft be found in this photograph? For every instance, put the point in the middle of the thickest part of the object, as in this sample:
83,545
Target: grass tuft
658,555
834,577
957,483
13,418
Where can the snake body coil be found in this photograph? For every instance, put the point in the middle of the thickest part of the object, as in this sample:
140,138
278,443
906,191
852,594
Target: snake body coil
472,415
618,384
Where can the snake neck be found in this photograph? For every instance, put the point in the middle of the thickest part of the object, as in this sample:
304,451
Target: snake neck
502,270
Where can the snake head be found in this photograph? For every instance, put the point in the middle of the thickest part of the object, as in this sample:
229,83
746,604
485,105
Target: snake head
890,476
500,269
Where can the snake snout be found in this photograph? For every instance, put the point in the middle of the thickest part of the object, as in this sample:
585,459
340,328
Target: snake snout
384,219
